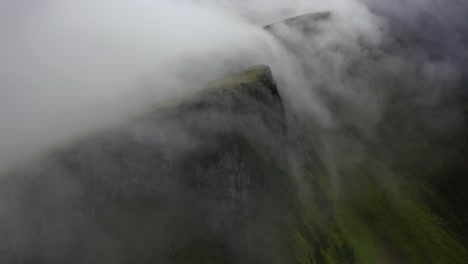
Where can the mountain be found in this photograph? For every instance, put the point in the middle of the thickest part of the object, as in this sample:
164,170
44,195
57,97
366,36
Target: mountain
229,175
200,180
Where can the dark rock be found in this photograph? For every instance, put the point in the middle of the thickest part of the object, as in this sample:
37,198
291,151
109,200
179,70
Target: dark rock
194,182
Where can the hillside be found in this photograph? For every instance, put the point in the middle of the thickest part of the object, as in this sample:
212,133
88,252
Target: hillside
200,181
234,173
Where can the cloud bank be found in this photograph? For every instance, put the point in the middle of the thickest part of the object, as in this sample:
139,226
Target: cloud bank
69,68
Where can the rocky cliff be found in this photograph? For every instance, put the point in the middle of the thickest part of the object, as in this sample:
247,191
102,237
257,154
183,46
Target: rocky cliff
219,177
202,180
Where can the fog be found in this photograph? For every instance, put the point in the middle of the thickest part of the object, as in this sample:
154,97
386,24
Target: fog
69,68
377,80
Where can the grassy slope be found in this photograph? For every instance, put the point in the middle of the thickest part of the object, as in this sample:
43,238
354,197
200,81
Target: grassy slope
376,215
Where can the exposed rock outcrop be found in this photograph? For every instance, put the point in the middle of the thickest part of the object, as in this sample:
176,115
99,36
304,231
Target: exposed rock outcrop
194,182
203,179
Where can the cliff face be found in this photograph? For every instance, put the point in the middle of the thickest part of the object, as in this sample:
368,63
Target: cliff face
193,182
204,179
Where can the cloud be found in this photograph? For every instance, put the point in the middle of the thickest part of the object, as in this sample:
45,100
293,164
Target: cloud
69,68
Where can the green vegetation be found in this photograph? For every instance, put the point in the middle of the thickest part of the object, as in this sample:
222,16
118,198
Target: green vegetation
366,221
251,75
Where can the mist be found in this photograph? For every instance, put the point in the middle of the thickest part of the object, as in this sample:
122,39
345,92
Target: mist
69,68
376,81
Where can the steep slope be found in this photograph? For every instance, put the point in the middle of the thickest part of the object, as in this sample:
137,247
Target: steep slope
218,177
395,195
200,181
